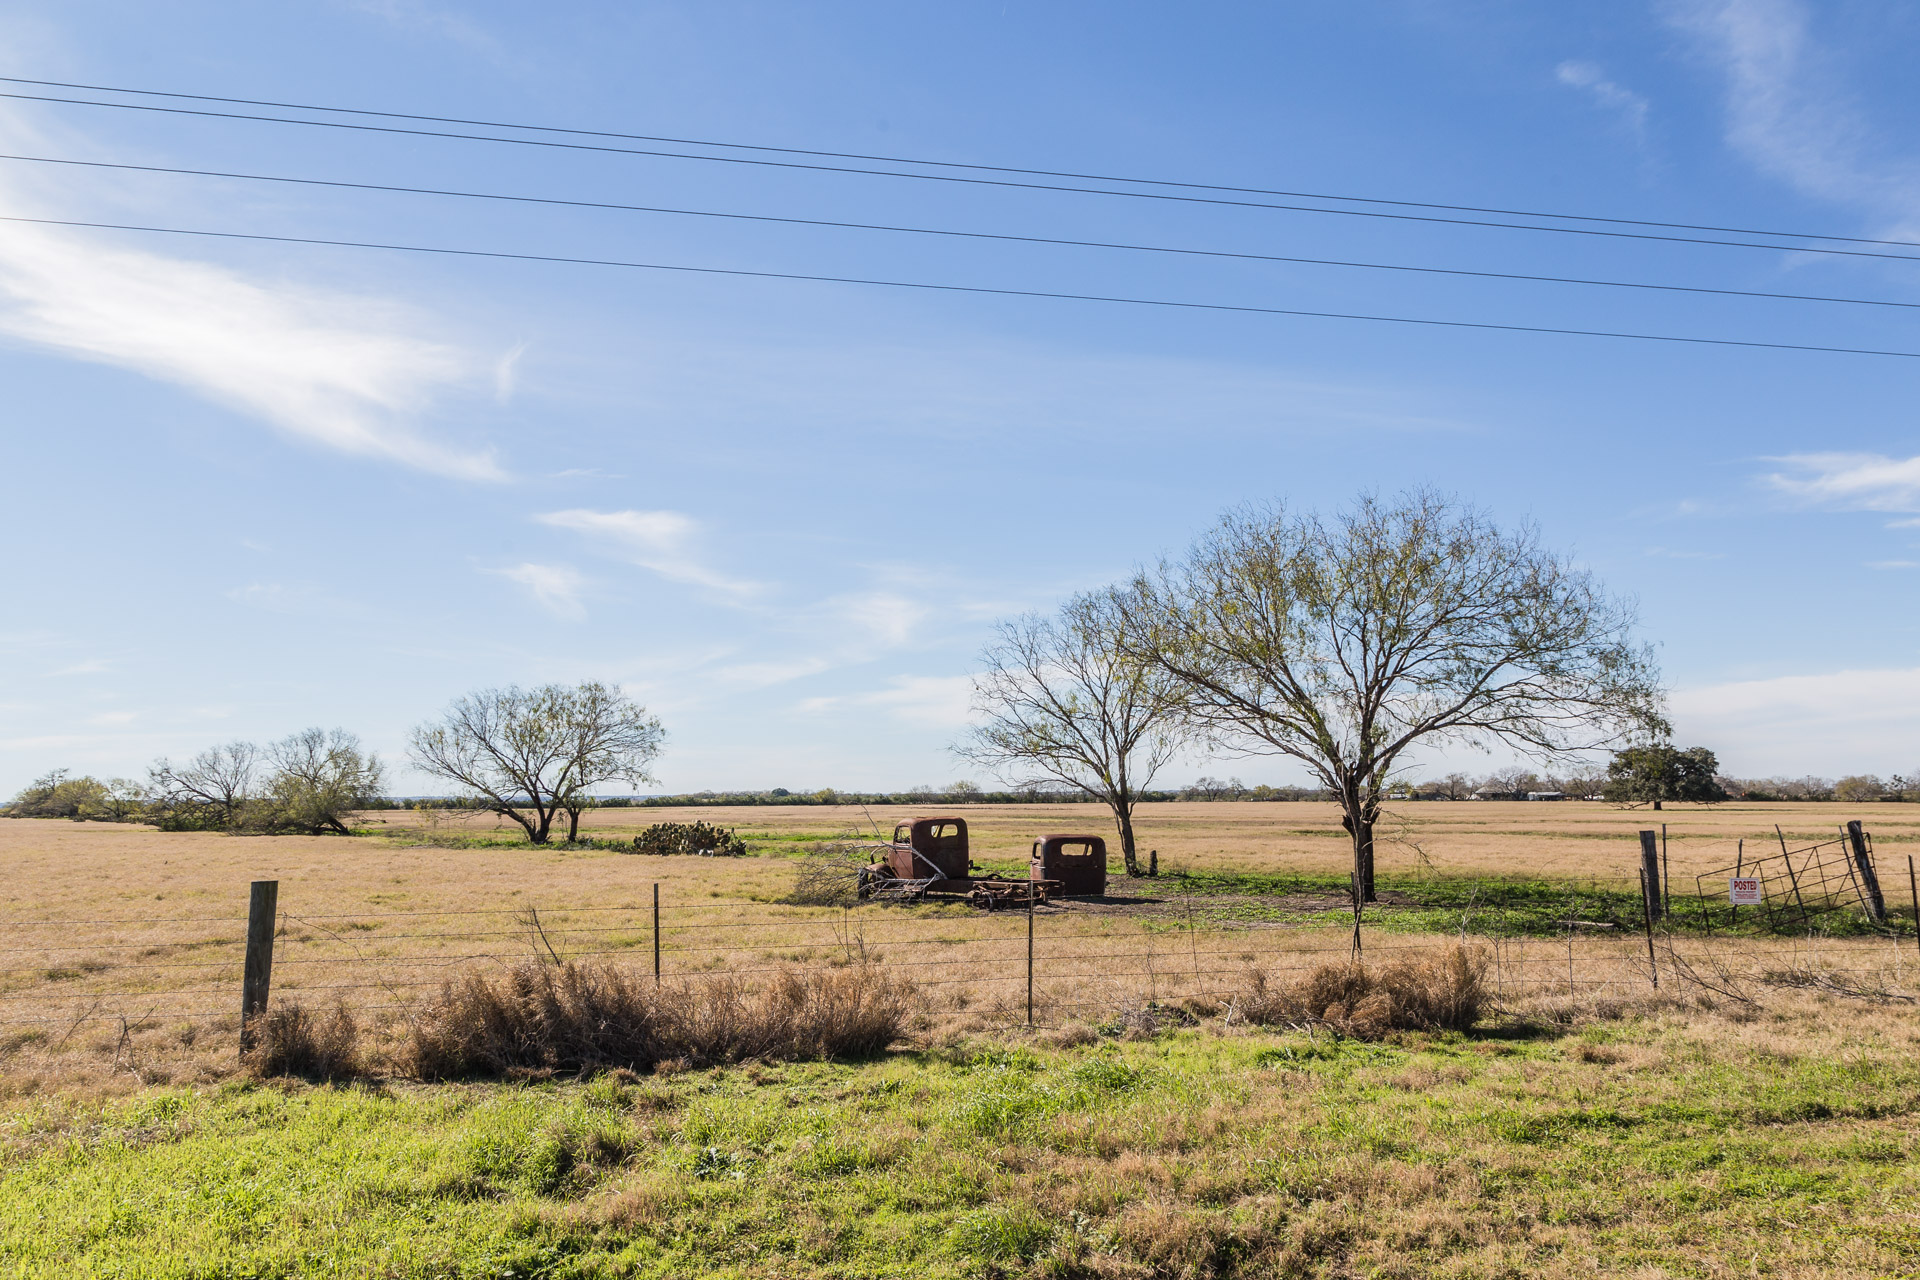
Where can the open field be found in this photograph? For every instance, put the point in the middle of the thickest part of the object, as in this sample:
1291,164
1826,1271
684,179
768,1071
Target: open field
1575,839
1754,1115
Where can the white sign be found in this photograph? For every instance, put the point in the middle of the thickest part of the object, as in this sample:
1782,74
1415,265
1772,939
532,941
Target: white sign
1743,891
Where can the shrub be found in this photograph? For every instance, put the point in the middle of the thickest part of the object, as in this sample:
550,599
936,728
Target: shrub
288,1040
542,1019
700,838
1435,993
831,875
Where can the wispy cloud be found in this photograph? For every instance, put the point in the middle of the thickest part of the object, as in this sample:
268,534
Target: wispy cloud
325,369
1628,105
1893,564
1789,110
933,702
291,598
353,373
656,540
1829,723
554,587
1852,481
432,20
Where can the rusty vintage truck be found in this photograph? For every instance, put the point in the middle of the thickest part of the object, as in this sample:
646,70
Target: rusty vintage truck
930,858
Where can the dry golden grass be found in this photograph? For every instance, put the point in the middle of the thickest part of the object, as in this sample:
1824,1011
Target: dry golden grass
121,945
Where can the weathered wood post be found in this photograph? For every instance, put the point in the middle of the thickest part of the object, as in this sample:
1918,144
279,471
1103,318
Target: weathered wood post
256,976
1869,882
1650,873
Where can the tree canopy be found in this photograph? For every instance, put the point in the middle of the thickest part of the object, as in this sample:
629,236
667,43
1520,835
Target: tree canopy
1345,641
532,754
1657,772
1064,707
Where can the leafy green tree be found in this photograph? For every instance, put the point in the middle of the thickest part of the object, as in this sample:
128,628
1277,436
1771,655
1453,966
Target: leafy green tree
1343,642
316,781
56,794
1656,772
1860,788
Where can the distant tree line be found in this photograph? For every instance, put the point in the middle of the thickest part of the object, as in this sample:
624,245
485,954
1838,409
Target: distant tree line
308,783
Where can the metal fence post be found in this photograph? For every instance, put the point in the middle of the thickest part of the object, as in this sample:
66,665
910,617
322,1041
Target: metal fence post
1913,887
1029,952
1863,863
1646,914
1666,881
656,934
257,974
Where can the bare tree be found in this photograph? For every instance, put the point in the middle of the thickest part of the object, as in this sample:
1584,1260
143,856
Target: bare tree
1064,706
1342,642
531,754
318,779
218,781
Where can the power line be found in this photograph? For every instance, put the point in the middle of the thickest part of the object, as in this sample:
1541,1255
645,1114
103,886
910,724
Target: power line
979,182
952,164
961,234
966,288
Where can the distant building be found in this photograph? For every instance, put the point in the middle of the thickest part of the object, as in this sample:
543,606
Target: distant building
1546,795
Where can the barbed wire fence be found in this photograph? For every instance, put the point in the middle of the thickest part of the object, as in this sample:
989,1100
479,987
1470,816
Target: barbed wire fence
1042,963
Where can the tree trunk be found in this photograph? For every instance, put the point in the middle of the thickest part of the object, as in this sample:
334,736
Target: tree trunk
1358,820
573,825
1363,857
1128,849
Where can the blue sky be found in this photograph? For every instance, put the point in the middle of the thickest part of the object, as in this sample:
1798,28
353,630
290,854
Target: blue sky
253,487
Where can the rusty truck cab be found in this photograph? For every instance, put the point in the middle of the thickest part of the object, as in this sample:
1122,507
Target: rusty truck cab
1077,863
930,847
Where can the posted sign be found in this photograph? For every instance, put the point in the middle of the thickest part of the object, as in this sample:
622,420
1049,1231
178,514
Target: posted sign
1743,891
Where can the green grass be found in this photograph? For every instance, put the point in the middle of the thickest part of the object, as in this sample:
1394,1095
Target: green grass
1499,906
1636,1148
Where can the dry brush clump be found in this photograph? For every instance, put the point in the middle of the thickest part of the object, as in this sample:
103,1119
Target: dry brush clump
546,1019
831,874
1445,991
290,1040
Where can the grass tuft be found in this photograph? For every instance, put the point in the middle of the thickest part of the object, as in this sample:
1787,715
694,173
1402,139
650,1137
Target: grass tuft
539,1020
291,1040
1444,992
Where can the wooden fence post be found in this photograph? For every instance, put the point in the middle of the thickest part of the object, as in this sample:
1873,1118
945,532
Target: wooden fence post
1650,873
257,974
656,933
1869,882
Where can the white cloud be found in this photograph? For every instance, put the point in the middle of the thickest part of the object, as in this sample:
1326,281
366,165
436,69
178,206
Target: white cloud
1893,564
655,540
1853,481
1832,724
1608,95
336,371
934,702
1789,110
506,373
554,587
